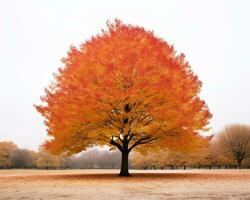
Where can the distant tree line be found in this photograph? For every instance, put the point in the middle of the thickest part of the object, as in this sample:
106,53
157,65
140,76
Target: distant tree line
95,159
230,148
13,157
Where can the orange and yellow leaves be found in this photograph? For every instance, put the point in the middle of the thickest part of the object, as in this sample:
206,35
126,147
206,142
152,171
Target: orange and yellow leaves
124,66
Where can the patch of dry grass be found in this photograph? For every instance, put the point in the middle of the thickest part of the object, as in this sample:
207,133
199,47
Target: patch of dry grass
105,184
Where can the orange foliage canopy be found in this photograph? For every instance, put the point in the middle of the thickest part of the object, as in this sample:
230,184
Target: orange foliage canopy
124,88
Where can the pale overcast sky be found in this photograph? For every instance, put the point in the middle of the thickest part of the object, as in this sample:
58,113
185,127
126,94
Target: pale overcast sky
35,35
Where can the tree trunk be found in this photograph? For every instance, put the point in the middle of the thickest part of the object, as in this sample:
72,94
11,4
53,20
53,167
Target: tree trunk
124,165
239,164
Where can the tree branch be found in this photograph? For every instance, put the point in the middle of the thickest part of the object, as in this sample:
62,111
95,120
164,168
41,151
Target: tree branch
130,137
114,143
141,141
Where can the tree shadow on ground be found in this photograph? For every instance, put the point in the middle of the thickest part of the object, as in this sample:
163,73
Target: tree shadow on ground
136,177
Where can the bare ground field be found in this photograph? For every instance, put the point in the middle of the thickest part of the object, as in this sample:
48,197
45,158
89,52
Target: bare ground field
106,185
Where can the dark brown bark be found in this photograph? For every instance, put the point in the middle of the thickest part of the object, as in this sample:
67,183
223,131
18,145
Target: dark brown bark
239,164
124,164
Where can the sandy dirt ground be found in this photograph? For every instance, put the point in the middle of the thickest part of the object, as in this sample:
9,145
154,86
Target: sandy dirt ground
105,184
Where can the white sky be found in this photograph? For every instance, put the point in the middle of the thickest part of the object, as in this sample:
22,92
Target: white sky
35,35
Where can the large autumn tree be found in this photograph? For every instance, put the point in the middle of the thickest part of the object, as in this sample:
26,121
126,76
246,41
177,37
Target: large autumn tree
124,88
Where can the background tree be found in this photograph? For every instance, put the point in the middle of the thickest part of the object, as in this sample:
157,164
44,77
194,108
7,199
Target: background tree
165,158
22,158
234,142
47,161
6,148
148,161
124,88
